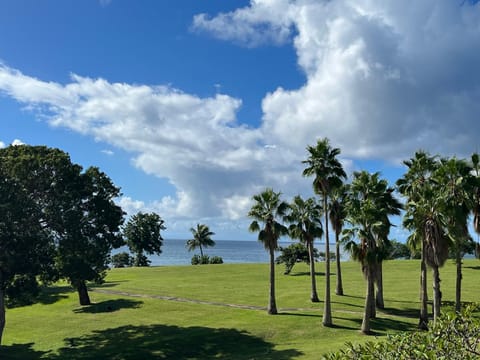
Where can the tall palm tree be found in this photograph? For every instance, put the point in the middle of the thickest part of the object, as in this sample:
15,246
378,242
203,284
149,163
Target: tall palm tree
413,185
322,163
337,216
456,184
201,238
370,201
266,209
306,225
475,162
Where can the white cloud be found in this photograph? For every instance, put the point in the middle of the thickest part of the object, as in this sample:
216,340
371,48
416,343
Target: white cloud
108,152
383,77
2,145
17,142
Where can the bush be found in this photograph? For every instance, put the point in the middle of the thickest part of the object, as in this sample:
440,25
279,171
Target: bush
121,260
205,259
290,255
455,336
216,260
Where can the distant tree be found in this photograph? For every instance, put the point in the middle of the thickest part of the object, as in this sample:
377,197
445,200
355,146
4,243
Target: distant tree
142,235
268,209
77,209
398,250
26,249
306,225
122,260
294,253
202,237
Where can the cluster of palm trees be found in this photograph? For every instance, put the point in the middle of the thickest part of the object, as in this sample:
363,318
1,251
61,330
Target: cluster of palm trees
440,195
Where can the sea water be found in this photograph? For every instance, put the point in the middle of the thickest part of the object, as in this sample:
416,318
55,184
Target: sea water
174,252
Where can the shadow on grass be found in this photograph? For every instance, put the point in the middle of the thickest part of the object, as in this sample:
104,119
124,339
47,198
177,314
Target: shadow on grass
20,351
300,314
51,294
307,273
472,267
108,284
383,324
170,342
109,306
407,313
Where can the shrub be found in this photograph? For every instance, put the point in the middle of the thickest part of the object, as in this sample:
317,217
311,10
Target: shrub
455,336
216,260
200,260
121,260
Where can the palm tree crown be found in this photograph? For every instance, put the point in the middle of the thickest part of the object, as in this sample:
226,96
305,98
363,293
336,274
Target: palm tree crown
201,238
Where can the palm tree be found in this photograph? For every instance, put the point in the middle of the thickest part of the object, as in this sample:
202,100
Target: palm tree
322,163
267,208
369,204
414,186
306,225
201,238
337,216
475,162
456,185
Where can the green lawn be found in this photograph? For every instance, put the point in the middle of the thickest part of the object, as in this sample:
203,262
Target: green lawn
126,327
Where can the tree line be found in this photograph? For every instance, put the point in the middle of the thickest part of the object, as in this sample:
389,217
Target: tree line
441,195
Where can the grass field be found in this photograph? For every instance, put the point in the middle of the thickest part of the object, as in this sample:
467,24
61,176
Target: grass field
196,323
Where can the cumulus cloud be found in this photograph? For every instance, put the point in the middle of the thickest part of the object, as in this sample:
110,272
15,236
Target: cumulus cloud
383,77
214,162
17,142
2,144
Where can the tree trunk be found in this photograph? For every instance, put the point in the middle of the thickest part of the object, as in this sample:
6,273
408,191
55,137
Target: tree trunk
458,285
327,310
314,295
2,313
201,250
272,305
369,301
379,280
423,321
437,294
83,293
339,289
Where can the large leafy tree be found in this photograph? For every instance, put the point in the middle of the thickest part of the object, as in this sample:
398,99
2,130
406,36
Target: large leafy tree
77,208
415,185
328,173
369,205
268,209
142,235
26,249
202,238
305,219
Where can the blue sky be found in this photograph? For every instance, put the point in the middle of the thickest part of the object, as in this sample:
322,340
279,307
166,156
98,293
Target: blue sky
191,107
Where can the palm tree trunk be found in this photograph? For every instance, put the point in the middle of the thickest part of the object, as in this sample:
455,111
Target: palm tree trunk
201,250
327,311
272,306
339,290
458,285
423,322
369,301
314,295
437,294
83,293
379,280
2,313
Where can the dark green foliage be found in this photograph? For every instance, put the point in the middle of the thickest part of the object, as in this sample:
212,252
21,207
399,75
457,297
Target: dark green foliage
455,336
398,250
293,253
142,235
205,259
216,260
121,260
76,208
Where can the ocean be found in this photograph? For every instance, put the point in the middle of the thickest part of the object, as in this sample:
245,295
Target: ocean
231,251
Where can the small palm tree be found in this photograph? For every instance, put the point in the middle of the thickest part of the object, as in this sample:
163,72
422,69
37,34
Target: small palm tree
267,209
322,163
306,225
337,216
201,238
